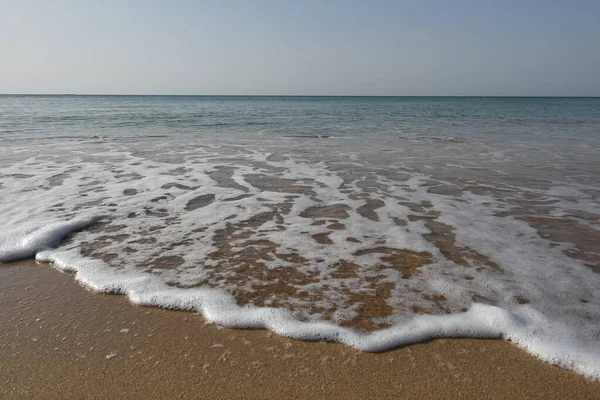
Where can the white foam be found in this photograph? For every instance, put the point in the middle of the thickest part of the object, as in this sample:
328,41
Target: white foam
143,190
524,326
30,239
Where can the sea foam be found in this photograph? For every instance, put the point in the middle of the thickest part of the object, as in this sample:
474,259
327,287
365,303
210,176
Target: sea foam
549,340
27,241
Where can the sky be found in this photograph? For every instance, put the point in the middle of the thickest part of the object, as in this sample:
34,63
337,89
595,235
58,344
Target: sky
301,47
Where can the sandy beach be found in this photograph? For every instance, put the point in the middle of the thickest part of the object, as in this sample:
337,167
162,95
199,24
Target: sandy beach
300,200
60,341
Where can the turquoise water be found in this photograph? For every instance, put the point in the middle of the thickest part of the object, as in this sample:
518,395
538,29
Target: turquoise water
522,118
372,221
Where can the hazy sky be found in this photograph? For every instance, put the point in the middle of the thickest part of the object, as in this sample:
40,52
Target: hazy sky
413,47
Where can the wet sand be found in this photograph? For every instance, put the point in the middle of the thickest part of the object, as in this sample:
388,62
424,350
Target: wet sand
60,341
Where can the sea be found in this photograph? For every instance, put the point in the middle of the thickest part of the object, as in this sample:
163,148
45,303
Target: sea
376,222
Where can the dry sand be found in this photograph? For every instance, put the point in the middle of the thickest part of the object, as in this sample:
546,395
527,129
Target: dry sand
59,341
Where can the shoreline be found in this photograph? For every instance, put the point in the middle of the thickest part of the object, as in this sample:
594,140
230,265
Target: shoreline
59,340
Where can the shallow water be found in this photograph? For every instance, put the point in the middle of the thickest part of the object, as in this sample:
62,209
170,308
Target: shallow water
335,216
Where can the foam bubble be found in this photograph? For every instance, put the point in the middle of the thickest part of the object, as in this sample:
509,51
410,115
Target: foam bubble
30,239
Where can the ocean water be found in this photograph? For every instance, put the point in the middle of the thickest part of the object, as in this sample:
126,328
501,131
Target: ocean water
371,221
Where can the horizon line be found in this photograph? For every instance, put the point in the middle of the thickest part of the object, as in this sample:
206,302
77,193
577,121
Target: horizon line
295,95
